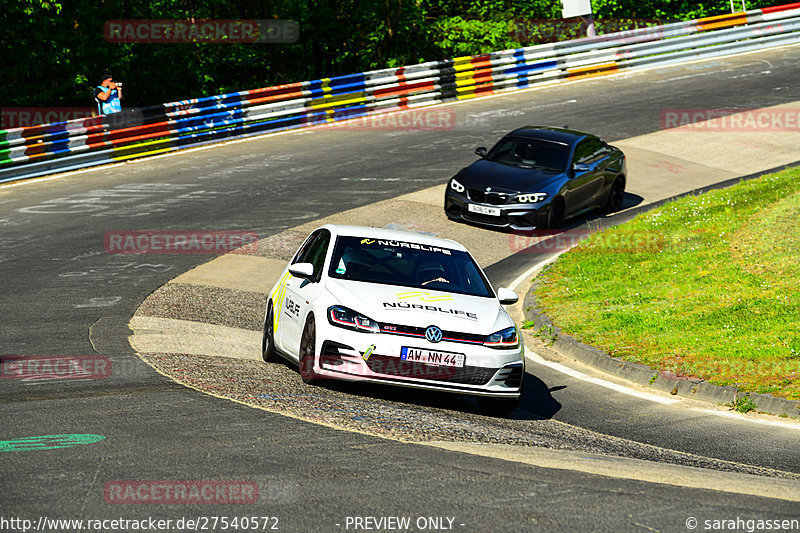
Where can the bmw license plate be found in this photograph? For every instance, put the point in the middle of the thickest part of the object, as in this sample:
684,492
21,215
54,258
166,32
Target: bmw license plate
484,210
432,357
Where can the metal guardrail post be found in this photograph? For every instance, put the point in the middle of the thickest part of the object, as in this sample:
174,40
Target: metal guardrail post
81,143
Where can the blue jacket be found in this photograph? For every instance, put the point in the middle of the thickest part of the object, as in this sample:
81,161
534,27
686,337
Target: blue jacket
111,105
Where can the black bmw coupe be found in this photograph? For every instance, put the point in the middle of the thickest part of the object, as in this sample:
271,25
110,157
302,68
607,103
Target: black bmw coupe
535,178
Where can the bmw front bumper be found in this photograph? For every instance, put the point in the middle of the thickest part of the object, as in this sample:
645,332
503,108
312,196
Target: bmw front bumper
511,216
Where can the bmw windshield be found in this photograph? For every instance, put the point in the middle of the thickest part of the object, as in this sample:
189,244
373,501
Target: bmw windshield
408,264
530,153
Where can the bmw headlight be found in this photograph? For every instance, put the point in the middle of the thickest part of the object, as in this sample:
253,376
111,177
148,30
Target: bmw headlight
532,198
347,318
456,186
506,338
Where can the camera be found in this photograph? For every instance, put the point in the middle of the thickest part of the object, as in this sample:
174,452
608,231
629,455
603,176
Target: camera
118,83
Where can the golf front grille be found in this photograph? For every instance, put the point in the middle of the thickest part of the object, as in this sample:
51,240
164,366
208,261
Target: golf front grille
394,366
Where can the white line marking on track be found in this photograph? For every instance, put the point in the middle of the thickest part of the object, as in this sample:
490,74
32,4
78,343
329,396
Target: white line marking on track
531,271
558,367
788,424
538,359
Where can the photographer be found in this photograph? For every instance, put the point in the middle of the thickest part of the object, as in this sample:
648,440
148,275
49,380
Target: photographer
108,95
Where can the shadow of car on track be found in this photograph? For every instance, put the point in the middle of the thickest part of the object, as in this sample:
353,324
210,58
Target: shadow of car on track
599,215
536,402
537,398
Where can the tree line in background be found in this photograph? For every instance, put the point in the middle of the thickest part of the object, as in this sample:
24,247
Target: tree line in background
55,51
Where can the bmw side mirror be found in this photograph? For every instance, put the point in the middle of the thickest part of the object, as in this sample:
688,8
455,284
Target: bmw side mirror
507,296
302,270
481,151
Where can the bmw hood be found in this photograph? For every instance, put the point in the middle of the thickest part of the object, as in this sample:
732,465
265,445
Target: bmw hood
506,177
417,307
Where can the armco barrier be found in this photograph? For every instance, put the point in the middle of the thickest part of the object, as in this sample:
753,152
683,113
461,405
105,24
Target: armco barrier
50,148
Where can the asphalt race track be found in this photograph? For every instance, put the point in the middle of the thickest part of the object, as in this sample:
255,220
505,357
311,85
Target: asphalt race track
63,294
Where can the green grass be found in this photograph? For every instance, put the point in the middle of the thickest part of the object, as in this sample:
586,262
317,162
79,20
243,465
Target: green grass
743,404
707,286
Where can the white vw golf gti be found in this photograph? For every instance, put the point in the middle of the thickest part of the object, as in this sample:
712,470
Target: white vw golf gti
377,305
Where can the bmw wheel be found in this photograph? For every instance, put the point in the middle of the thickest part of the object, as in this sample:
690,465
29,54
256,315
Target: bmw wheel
307,347
616,195
268,352
555,218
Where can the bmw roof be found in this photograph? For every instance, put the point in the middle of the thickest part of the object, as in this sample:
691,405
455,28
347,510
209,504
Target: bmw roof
549,133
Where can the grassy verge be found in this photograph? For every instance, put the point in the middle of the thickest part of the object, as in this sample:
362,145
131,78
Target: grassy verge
707,286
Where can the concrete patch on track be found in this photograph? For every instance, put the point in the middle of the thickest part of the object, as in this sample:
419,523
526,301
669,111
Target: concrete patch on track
393,413
189,337
203,328
649,168
240,272
639,470
736,147
205,304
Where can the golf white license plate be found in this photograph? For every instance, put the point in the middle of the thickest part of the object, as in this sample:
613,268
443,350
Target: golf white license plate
484,210
432,357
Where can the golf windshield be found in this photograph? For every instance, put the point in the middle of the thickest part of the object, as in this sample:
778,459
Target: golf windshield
408,264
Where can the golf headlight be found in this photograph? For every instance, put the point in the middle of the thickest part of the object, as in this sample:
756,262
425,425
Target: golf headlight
506,338
456,186
347,318
532,198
